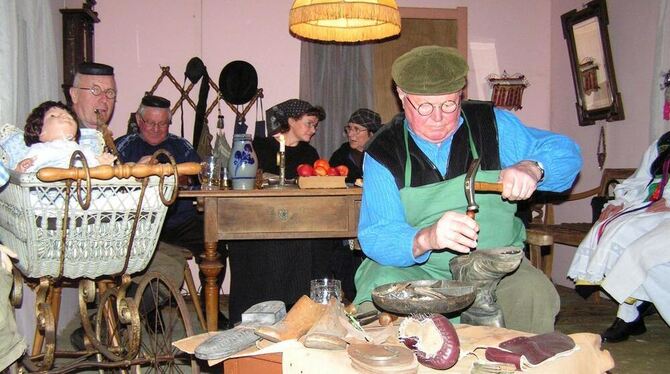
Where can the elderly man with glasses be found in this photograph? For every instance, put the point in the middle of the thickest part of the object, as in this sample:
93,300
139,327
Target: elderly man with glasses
183,225
93,94
413,219
153,120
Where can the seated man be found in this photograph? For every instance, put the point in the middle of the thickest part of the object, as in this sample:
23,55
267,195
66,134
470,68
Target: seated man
413,219
627,251
184,226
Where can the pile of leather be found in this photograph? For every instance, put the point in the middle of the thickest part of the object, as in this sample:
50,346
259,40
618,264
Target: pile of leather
428,339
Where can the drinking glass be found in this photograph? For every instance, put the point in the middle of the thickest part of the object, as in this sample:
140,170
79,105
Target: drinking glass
210,174
321,290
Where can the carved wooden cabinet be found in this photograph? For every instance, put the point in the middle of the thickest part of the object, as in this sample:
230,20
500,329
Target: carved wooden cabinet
77,42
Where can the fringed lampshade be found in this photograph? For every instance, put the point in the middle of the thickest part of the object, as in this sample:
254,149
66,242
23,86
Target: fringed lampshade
346,21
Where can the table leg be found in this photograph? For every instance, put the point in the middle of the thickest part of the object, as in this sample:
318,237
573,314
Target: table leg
211,267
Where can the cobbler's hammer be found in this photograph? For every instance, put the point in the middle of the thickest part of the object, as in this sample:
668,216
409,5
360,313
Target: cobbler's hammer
471,186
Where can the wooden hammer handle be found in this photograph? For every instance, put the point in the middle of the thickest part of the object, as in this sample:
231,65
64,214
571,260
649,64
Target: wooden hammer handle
104,172
486,186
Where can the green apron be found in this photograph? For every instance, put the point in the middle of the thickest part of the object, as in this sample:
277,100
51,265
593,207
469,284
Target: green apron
424,205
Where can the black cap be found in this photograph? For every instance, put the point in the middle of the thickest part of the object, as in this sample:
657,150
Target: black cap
155,102
94,68
238,82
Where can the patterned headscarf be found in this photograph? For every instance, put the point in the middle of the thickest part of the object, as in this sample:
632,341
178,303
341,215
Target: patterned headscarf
367,118
280,113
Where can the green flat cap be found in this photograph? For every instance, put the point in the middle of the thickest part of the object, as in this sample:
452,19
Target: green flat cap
430,70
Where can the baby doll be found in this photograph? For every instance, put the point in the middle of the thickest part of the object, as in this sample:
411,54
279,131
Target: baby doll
52,135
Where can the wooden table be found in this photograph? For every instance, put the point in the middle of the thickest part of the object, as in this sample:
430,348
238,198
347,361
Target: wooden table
286,213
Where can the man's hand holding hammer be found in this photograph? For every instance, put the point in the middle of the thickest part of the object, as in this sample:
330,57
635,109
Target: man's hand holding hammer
457,231
520,180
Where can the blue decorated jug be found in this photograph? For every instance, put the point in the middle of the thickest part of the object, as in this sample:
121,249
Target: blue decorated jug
243,163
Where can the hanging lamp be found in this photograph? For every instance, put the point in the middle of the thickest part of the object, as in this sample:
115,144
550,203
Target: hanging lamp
346,21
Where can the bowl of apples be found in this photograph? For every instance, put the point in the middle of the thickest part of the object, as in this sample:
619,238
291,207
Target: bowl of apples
322,175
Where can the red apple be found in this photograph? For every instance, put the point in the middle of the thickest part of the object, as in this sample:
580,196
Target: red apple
333,172
305,170
320,171
343,170
322,163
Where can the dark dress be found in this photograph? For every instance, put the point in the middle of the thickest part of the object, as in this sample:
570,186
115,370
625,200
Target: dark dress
346,261
351,158
264,270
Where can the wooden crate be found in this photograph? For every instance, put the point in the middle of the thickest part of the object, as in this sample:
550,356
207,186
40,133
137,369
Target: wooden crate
322,182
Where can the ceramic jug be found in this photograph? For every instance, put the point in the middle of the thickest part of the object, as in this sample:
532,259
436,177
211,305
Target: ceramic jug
243,163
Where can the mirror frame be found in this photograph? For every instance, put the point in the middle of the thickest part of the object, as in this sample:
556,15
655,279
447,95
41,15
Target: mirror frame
613,108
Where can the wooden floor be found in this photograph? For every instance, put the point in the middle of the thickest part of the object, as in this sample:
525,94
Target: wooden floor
646,353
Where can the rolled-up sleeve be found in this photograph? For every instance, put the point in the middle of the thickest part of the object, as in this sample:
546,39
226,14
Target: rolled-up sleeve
559,154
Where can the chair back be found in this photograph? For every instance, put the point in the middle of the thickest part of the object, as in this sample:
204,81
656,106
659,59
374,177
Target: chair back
612,177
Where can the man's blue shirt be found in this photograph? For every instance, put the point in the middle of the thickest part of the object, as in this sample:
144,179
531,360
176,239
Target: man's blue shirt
383,232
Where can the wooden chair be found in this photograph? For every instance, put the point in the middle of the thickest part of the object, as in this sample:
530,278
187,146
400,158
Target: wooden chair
543,232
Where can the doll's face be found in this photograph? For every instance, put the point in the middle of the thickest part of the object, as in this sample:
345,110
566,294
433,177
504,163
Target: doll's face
58,124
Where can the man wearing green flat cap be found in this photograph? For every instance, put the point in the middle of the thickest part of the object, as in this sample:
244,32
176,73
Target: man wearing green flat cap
413,219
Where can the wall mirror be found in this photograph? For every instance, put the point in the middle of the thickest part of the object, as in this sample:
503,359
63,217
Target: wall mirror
585,32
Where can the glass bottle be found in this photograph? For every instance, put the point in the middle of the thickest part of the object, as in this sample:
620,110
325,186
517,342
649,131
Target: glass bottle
243,163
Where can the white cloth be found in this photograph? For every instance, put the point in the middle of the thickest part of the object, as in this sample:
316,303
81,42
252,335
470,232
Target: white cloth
57,153
631,245
29,57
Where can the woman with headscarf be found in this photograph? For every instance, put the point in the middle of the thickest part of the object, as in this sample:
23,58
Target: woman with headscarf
264,270
297,121
362,124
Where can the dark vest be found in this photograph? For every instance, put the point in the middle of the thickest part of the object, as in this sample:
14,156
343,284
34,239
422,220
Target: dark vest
388,147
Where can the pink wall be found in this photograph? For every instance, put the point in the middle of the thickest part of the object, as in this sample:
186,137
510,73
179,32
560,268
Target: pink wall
138,36
632,30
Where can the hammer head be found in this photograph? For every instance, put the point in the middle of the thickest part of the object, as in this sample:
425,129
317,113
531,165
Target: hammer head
470,187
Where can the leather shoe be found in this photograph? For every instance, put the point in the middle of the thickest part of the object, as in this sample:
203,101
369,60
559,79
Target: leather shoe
620,330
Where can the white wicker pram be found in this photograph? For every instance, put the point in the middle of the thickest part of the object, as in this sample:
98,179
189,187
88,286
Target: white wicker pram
31,222
97,227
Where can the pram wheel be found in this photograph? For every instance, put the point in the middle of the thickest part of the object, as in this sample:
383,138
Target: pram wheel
117,327
164,321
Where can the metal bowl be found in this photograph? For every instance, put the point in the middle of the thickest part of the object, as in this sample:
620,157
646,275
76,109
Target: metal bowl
424,296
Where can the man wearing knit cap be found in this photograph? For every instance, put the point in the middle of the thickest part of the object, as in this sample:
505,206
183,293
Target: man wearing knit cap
413,219
93,94
362,124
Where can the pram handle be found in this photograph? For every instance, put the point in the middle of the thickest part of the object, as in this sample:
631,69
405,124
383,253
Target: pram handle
123,171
